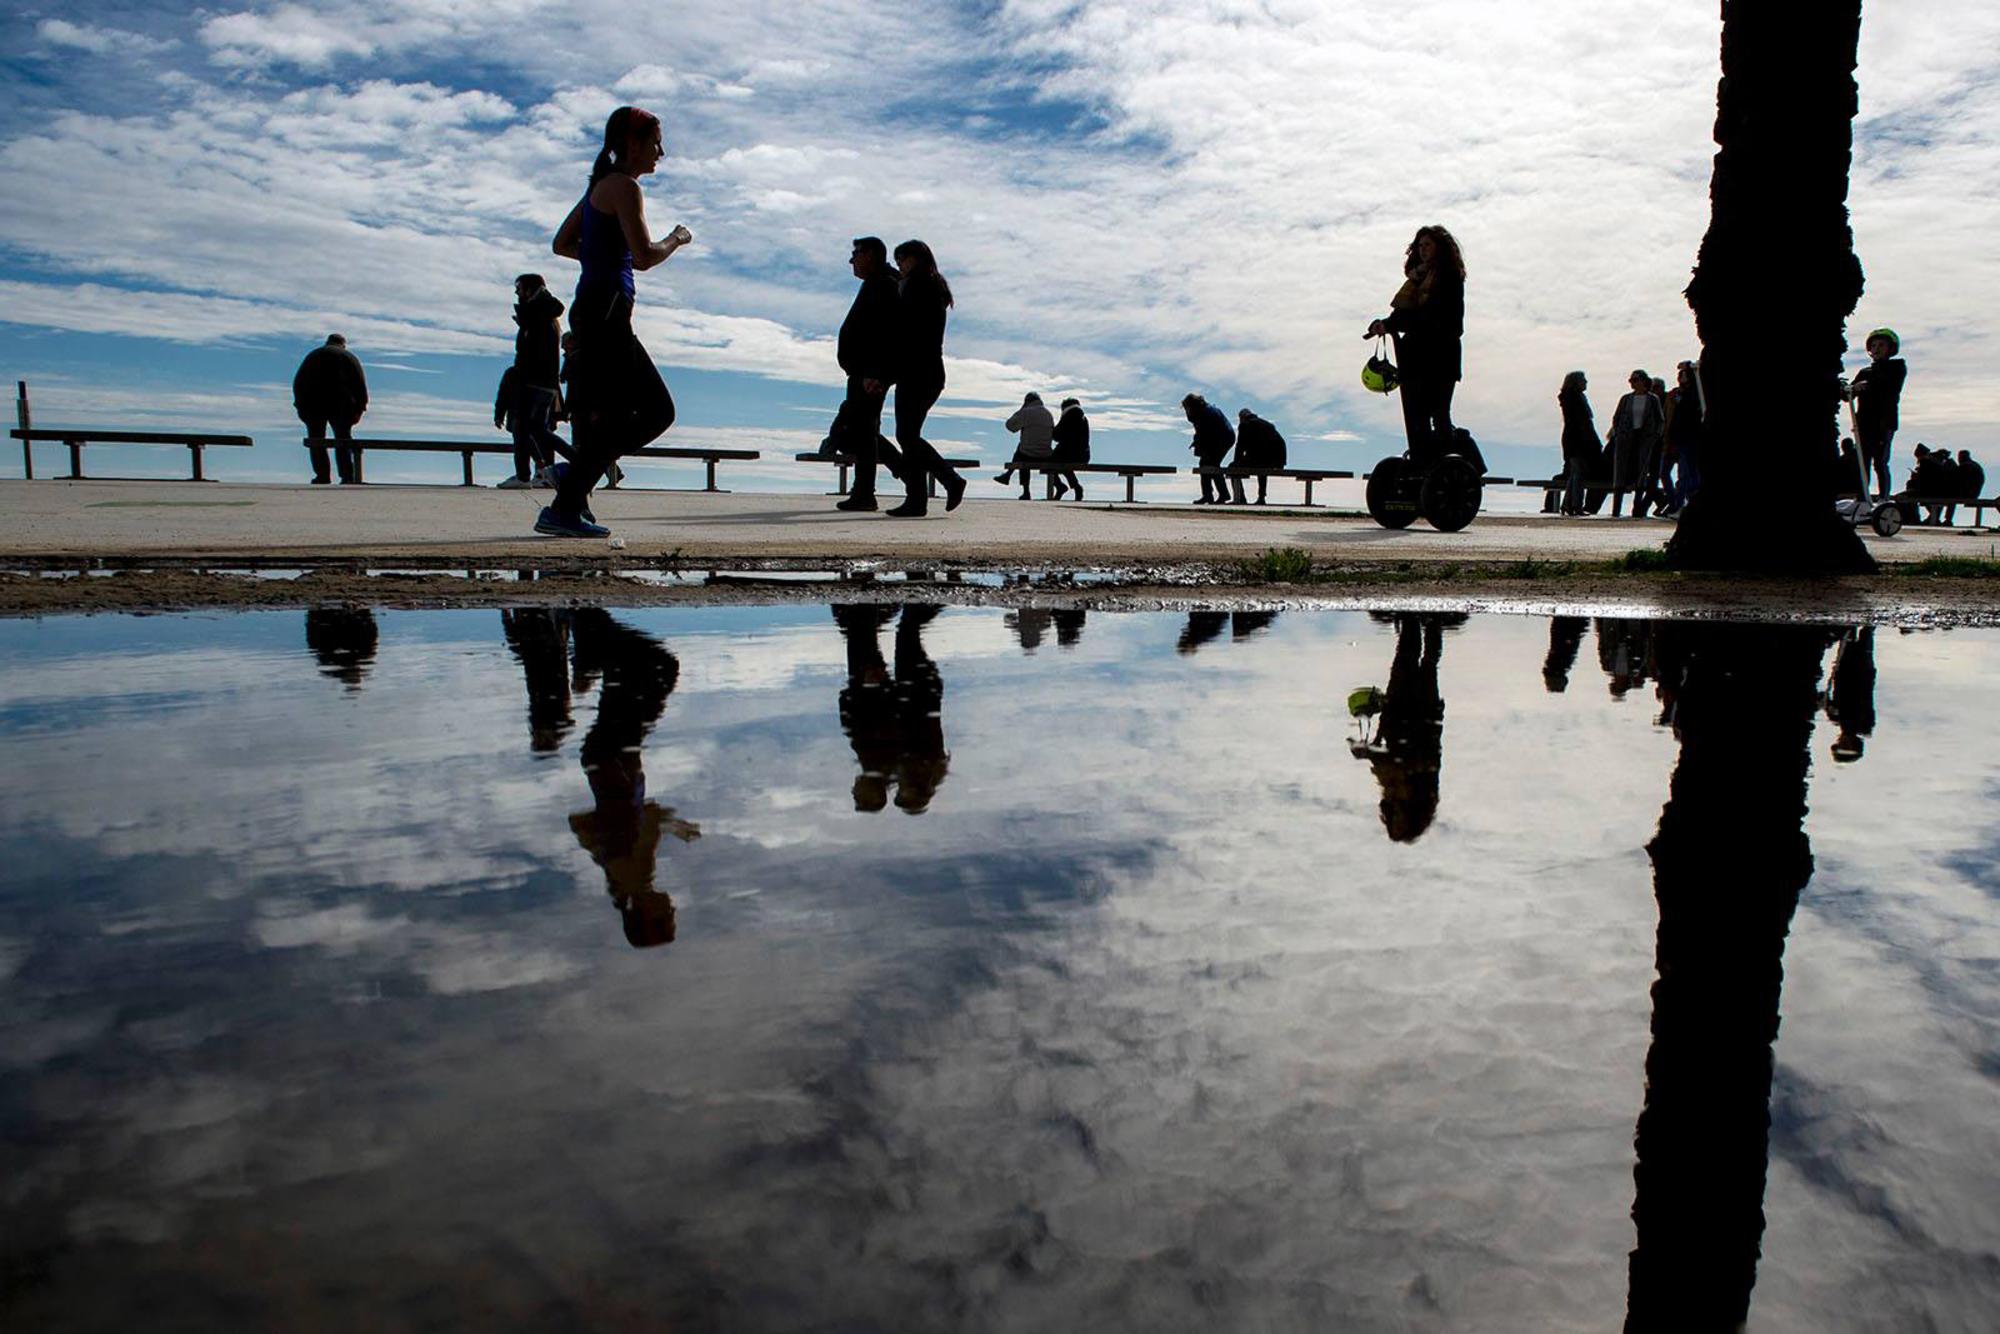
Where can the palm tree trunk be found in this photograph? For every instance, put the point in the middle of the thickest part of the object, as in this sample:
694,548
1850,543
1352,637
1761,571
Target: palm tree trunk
1776,279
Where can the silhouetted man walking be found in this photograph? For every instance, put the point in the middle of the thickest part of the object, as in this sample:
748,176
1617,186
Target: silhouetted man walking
867,353
330,390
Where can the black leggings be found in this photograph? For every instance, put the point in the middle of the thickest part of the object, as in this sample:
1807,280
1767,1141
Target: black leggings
1427,412
619,402
914,402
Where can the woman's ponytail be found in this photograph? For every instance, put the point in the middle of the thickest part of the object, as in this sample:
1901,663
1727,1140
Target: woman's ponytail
599,167
618,129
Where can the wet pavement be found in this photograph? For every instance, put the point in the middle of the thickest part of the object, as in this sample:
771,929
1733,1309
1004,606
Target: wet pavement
895,966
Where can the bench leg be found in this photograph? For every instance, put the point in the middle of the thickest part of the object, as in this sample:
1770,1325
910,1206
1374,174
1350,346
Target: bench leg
711,474
843,480
466,457
356,454
195,450
1129,478
75,457
1309,492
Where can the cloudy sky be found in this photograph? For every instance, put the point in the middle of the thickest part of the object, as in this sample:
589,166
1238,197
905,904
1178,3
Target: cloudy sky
1131,199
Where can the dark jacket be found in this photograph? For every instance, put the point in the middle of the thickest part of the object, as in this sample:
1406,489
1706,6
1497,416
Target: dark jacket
1971,479
1430,334
1213,435
920,321
868,336
1683,420
538,340
1579,437
1072,438
1258,444
329,386
1878,394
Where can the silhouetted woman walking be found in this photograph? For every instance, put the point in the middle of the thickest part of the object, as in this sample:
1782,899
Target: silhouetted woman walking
1427,321
925,298
618,401
1581,455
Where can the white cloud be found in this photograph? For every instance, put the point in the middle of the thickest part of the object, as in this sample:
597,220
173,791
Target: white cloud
97,40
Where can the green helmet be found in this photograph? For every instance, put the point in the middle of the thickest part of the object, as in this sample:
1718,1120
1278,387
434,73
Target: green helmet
1379,376
1895,343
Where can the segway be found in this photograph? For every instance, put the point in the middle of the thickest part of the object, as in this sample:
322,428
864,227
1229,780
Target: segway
1442,484
1884,516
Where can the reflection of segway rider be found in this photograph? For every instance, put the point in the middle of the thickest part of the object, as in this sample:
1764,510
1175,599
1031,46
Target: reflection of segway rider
1427,321
1877,393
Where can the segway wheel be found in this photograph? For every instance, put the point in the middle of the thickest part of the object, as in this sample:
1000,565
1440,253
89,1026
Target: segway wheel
1451,495
1392,494
1888,520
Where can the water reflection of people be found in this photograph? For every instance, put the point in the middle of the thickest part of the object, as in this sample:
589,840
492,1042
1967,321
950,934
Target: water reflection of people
1729,861
1850,698
1203,627
539,639
1069,626
343,639
1565,639
1624,651
1030,625
1245,624
1407,749
634,673
895,723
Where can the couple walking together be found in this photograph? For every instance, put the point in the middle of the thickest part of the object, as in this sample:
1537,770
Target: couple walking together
894,335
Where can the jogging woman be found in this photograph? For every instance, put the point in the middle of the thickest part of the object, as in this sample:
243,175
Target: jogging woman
924,299
618,403
1427,320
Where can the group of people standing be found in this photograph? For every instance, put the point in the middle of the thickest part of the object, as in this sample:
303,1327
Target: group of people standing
1651,451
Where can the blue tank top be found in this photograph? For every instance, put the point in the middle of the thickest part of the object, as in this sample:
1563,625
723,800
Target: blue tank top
607,260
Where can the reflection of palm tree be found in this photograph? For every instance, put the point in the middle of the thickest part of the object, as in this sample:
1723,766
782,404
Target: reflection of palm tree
1850,699
343,639
1069,626
1407,751
539,639
622,832
895,724
1565,638
1202,627
1729,860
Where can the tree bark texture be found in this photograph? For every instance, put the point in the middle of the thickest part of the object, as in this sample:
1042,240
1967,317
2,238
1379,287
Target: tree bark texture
1773,286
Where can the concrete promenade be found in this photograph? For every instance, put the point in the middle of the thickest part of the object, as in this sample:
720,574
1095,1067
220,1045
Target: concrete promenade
379,524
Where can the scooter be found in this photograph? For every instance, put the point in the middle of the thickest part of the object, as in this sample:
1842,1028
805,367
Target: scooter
1884,516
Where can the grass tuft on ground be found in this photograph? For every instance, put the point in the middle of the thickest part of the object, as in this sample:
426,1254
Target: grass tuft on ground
1278,565
1947,567
1644,560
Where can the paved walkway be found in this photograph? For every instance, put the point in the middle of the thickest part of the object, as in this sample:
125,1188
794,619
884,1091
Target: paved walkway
384,523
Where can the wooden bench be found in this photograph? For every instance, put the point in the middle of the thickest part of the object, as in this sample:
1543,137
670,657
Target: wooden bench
1052,468
193,441
846,461
465,449
1306,475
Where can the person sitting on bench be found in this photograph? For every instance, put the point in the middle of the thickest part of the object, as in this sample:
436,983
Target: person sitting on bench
1258,445
1072,445
1037,431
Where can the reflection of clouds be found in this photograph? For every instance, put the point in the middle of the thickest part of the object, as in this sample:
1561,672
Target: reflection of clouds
1146,1000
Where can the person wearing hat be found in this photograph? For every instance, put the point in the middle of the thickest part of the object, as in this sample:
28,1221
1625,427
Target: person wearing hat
1877,393
1072,445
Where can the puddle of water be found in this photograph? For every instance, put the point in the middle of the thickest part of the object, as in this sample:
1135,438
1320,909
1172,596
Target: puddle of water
872,967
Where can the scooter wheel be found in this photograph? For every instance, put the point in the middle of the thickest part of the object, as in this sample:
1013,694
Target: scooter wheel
1452,493
1392,494
1888,520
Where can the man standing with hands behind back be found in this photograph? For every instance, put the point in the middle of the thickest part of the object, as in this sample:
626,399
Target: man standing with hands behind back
867,353
330,390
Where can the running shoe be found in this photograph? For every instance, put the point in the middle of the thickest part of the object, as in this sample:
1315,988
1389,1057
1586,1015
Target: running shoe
552,524
512,483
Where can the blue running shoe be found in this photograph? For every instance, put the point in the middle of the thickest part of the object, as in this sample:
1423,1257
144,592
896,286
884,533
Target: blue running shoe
552,524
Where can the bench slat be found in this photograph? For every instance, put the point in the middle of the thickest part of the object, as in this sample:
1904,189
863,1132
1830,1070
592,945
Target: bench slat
56,435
